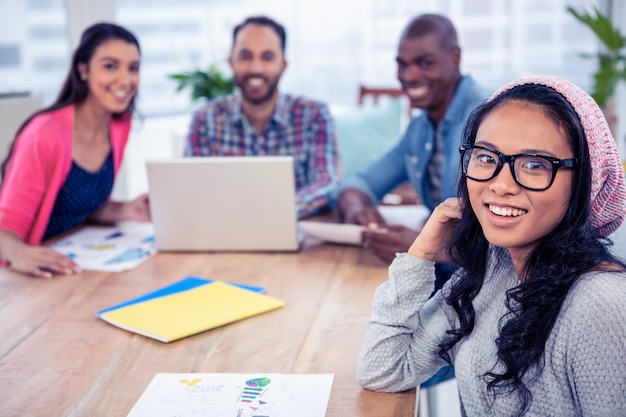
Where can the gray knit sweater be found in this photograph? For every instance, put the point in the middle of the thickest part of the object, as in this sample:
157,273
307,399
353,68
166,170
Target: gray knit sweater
584,371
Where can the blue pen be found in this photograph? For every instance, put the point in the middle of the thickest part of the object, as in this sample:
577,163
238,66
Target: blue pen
114,235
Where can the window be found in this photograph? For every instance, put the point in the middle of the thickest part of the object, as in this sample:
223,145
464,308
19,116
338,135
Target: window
329,54
34,52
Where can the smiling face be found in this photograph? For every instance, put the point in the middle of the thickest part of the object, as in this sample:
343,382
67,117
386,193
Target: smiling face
112,76
258,63
513,217
428,73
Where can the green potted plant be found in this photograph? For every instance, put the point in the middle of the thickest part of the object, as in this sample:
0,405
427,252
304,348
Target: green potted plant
611,60
204,84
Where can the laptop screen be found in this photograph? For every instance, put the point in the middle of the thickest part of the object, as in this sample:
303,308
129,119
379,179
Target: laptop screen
223,203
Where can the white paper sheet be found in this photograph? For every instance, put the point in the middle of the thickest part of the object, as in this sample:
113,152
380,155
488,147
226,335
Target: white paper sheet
349,234
234,395
412,217
109,248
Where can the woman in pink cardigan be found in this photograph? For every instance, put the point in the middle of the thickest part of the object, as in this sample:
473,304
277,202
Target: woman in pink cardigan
62,164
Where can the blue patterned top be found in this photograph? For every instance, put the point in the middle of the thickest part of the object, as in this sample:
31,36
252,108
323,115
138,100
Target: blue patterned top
82,193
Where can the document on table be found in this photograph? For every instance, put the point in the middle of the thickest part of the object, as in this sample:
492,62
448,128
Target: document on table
109,248
234,395
412,217
349,234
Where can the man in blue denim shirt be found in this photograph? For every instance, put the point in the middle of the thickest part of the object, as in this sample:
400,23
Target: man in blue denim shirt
427,155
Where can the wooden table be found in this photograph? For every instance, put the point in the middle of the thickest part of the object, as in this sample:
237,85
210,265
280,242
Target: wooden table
57,359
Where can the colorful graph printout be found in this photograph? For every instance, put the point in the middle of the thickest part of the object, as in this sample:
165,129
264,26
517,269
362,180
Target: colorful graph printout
235,395
109,248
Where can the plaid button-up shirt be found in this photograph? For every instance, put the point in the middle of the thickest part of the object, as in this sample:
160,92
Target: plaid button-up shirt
301,128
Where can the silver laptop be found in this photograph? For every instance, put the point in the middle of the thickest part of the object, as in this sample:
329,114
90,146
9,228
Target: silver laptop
223,203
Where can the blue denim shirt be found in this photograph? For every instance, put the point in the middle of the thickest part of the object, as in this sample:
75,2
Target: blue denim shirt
408,160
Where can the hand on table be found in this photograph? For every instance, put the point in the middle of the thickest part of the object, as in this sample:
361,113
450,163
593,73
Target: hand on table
354,207
387,241
138,209
41,262
115,211
369,217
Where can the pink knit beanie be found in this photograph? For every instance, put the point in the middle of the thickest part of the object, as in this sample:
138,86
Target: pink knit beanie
608,187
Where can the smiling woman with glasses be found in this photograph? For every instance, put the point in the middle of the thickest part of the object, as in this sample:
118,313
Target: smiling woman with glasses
531,171
537,290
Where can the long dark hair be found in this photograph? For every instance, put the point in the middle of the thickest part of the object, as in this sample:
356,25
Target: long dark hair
559,259
75,90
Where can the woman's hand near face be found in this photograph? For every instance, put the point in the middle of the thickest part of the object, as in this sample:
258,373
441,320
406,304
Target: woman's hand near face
433,240
38,261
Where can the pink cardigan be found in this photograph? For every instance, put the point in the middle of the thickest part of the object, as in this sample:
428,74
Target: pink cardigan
41,161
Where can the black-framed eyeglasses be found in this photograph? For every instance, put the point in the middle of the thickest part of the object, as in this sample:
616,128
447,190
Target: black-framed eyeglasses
530,171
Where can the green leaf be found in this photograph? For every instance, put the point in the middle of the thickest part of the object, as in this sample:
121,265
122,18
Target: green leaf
611,63
601,25
204,84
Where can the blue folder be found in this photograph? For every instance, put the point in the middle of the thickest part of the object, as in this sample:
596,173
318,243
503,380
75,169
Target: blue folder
178,286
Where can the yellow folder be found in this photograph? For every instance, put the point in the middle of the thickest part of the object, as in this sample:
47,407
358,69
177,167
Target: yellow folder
186,313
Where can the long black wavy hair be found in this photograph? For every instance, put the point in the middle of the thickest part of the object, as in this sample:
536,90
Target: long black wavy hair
559,259
74,90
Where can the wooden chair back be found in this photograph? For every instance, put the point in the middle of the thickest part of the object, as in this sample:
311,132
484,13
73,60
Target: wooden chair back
376,93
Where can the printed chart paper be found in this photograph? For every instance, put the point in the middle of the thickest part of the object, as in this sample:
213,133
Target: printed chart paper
109,248
235,395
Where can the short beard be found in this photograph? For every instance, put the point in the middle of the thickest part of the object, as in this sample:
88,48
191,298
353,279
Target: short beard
271,90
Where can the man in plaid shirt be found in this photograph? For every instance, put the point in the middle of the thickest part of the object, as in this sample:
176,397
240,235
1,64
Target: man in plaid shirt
257,120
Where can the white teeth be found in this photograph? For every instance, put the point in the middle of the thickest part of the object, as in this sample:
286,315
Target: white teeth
255,81
120,94
416,92
506,211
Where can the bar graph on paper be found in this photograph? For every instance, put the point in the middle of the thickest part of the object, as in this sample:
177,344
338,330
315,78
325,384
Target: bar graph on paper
235,395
